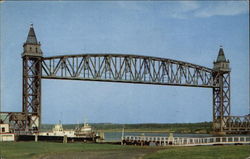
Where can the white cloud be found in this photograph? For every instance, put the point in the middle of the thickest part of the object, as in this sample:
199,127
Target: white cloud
205,9
188,5
131,5
189,9
183,8
228,8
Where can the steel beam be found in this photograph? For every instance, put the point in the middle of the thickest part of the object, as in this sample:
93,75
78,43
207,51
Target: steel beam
32,90
19,120
221,100
127,69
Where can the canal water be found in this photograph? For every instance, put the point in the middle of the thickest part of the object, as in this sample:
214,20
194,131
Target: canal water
116,136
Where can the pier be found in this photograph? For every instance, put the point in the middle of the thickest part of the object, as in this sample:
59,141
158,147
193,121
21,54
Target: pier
183,141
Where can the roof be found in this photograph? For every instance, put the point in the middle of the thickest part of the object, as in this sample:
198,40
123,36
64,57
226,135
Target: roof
31,39
221,56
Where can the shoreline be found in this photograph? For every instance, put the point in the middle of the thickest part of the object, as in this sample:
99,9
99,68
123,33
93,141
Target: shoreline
150,131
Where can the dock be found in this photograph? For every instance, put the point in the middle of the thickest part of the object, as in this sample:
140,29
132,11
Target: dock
183,141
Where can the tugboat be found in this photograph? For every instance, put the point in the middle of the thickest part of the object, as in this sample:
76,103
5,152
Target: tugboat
85,131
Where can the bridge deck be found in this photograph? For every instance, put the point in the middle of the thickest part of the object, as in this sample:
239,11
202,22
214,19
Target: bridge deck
184,141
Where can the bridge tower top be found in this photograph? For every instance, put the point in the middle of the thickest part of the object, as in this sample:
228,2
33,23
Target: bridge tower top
221,64
32,47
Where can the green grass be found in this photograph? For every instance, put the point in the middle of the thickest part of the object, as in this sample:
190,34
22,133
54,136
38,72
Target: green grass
28,150
203,152
32,150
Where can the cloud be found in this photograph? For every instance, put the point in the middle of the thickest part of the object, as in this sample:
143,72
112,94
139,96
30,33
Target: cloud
206,9
188,9
130,5
229,8
183,9
188,5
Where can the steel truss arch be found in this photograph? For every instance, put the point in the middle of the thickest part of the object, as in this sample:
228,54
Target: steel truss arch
127,69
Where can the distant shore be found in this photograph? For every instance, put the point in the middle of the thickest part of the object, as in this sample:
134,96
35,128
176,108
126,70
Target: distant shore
187,128
153,131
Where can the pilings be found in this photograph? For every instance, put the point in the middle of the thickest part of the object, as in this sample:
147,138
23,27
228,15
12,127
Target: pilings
65,139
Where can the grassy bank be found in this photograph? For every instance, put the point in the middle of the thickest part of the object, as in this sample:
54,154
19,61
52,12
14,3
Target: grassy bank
39,150
204,127
203,152
42,150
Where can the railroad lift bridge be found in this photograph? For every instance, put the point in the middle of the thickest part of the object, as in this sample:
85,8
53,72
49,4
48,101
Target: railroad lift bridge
121,68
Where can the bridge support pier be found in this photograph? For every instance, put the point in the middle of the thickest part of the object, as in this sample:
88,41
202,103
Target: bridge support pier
32,72
32,91
221,94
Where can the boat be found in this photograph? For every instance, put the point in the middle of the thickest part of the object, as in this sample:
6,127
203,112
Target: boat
85,131
80,134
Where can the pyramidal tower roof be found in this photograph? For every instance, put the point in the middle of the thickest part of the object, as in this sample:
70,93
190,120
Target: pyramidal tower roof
221,56
31,39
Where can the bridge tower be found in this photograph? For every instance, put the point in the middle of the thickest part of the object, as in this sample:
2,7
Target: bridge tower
32,71
221,93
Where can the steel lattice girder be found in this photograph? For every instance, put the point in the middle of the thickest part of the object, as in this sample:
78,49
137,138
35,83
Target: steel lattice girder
237,123
127,69
18,121
32,90
221,100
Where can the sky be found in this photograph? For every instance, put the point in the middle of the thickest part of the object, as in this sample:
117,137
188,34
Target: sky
190,31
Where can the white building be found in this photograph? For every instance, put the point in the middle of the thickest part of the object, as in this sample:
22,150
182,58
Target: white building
5,134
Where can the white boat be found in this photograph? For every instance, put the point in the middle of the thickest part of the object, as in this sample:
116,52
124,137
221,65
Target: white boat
85,131
58,131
